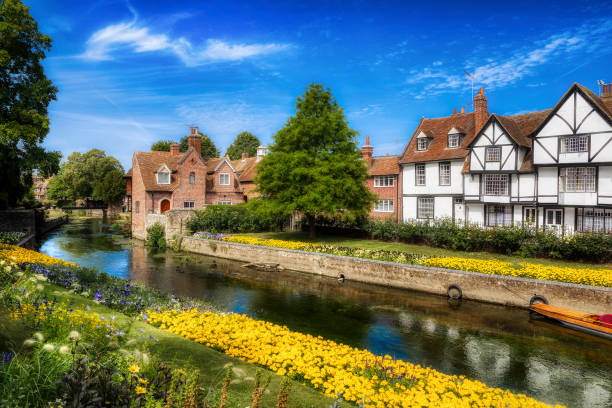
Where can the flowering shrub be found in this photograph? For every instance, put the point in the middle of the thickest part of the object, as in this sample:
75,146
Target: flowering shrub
21,255
11,237
358,375
208,235
276,243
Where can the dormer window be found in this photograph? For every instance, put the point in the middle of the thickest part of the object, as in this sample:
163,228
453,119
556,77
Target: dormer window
454,140
163,175
422,143
224,179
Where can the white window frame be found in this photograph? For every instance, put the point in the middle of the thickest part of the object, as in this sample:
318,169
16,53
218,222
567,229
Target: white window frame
384,205
221,177
577,180
419,177
422,144
455,138
384,181
163,171
496,185
188,204
192,177
594,219
574,144
501,216
557,217
496,152
425,208
224,202
444,176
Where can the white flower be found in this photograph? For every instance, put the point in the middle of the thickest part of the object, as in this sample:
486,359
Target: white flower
39,287
7,269
74,336
29,343
49,347
41,277
39,336
64,349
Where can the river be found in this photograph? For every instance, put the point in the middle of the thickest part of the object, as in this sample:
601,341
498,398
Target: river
497,345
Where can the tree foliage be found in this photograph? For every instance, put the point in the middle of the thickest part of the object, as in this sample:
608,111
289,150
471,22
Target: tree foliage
245,142
208,147
90,175
25,94
314,166
162,146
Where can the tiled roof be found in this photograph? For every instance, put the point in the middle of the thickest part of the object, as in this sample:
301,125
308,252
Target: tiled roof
527,165
129,173
150,162
246,169
603,104
519,127
385,165
437,129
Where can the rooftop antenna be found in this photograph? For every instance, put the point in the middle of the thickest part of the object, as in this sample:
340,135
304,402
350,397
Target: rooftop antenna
472,78
600,84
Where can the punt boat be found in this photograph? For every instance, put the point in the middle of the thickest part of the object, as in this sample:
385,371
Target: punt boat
600,325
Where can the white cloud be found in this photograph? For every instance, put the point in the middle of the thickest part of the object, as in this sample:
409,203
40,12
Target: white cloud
368,110
507,70
137,38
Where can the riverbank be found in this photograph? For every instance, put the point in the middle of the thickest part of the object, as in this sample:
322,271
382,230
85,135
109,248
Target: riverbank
499,289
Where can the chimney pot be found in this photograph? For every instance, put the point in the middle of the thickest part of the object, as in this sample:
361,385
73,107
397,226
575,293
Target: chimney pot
454,111
367,140
481,112
605,89
245,155
462,109
366,151
195,140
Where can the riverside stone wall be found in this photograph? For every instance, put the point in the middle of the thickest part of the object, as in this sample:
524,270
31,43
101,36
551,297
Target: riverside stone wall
498,289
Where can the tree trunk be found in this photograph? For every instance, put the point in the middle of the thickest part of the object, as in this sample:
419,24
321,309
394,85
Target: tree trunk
312,232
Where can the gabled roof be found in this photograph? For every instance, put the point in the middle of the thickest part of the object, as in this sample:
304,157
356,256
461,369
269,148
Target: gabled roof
224,160
150,162
384,166
438,147
518,127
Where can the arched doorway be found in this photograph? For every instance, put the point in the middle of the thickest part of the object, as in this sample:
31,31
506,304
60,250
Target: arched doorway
164,206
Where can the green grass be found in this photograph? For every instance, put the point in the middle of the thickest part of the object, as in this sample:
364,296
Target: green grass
416,249
179,352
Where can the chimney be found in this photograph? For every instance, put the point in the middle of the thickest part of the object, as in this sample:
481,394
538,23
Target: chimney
245,156
261,152
195,140
462,109
605,90
366,151
454,111
175,149
606,96
481,113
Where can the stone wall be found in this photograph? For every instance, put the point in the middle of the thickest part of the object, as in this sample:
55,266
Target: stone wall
18,221
498,289
173,221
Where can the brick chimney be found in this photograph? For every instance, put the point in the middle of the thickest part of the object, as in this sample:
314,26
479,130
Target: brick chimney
195,140
454,111
366,151
175,149
481,113
245,155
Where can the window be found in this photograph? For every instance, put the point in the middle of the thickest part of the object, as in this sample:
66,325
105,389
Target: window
163,177
192,178
553,217
574,144
577,179
384,206
594,219
493,154
445,174
530,215
496,184
454,140
188,204
419,175
498,215
425,207
422,143
384,181
224,179
137,207
224,202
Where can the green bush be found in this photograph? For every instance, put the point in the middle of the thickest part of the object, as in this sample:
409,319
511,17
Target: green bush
525,241
11,237
254,216
156,236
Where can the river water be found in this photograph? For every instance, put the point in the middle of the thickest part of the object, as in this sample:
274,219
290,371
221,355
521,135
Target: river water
497,345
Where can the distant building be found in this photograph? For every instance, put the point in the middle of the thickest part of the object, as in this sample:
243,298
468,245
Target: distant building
384,181
40,186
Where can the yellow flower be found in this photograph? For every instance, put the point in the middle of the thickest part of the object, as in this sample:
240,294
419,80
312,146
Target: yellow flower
143,381
140,390
134,369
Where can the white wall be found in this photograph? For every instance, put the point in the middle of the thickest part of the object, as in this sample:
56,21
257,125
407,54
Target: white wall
475,213
605,185
493,135
471,183
548,184
527,187
409,208
443,207
432,181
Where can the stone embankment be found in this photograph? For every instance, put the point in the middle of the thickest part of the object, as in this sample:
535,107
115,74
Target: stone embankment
498,289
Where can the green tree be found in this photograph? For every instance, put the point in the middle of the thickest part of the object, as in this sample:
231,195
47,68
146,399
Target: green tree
208,147
25,94
245,142
57,189
162,146
91,175
314,166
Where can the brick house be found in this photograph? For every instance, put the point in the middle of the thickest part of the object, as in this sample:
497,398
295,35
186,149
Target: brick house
384,181
161,181
127,200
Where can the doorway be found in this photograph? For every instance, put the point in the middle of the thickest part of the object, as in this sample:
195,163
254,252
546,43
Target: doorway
164,206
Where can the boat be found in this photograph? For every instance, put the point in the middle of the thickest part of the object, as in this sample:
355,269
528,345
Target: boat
599,325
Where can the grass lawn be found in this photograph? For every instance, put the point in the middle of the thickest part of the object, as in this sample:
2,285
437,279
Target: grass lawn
416,249
183,353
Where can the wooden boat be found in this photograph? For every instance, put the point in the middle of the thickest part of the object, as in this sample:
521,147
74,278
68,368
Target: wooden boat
600,325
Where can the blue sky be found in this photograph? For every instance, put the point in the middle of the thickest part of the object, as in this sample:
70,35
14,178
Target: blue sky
131,73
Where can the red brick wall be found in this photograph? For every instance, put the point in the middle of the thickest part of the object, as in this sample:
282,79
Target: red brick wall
223,192
386,193
138,196
190,192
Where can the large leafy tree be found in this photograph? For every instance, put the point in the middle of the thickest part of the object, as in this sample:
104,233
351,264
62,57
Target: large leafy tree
314,166
162,146
25,94
245,142
208,147
90,175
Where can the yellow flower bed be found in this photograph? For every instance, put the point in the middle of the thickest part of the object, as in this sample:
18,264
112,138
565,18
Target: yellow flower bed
21,255
585,276
276,243
332,367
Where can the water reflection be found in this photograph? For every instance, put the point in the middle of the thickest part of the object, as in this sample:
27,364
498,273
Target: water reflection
497,345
